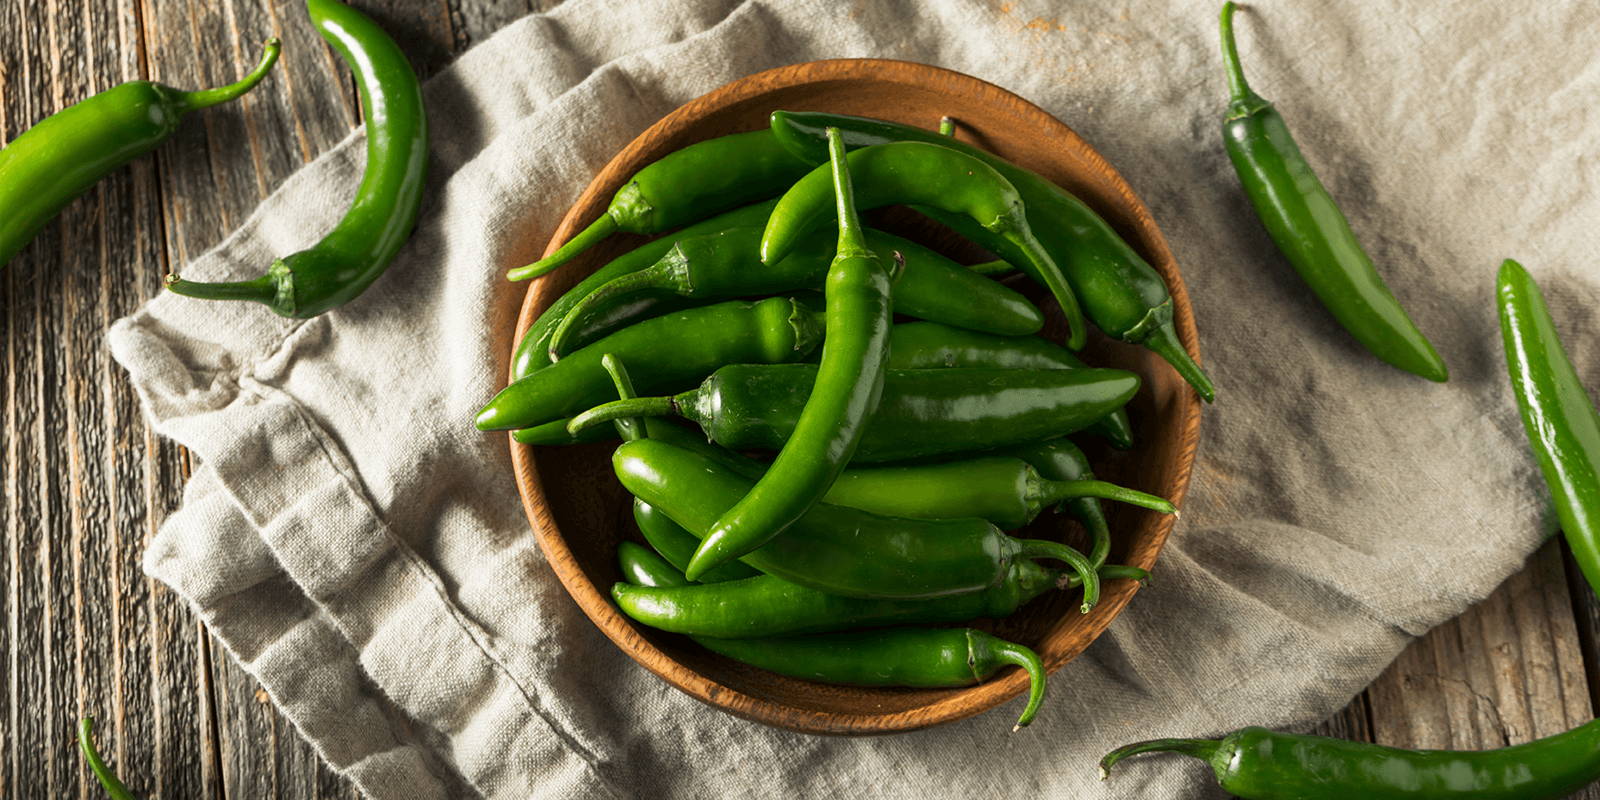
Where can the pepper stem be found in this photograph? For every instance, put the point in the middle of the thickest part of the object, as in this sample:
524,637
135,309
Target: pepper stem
1024,657
1107,572
1041,548
586,238
1199,748
108,779
205,98
618,409
852,242
262,290
621,286
990,269
629,428
947,126
1241,100
1052,492
1163,341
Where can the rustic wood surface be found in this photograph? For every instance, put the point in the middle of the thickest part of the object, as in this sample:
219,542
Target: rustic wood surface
84,482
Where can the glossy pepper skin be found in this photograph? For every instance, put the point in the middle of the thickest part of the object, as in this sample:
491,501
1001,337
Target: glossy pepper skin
843,396
924,655
673,349
533,351
1119,291
58,159
685,186
361,245
923,412
926,174
837,550
1556,412
930,345
725,265
677,545
114,786
1259,764
1310,230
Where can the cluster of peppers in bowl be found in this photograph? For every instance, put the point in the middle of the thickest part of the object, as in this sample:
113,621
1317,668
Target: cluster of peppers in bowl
816,564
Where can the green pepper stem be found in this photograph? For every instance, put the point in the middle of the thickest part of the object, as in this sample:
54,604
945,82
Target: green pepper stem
629,428
1041,548
1242,101
108,779
586,238
205,98
1012,653
1163,341
1052,492
1199,748
262,290
947,126
618,409
1107,572
852,241
623,285
990,269
1099,539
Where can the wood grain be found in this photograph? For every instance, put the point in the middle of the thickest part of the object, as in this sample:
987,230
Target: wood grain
84,483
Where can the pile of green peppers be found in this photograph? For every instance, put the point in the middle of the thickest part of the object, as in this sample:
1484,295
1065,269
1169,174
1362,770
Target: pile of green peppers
873,417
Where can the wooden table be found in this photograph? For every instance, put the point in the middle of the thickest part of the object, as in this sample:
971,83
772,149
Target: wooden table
85,482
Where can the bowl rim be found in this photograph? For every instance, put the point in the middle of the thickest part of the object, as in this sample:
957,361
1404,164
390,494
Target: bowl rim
959,703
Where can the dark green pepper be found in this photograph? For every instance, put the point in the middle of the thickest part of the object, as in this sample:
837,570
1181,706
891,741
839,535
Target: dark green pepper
58,159
1061,460
725,264
677,545
674,349
923,412
682,187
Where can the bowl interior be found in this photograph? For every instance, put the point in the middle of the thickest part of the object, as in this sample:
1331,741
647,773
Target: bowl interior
579,512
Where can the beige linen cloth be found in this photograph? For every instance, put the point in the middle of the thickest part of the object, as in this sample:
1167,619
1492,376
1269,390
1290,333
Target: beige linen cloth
360,549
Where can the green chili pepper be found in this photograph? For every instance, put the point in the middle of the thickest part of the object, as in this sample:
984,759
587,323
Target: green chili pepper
844,395
1006,491
685,186
840,550
67,152
930,174
108,779
359,248
769,606
894,651
1557,413
1258,764
724,265
1061,460
929,345
923,412
668,350
916,657
533,352
1121,293
677,545
1309,229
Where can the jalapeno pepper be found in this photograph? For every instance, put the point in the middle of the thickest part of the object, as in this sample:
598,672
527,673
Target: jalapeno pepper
533,351
672,349
929,345
839,550
361,246
1121,293
1557,413
58,159
928,174
682,187
923,412
844,394
1258,764
904,657
1309,228
108,779
725,264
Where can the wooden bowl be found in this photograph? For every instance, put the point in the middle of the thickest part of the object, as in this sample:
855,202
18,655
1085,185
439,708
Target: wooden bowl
579,512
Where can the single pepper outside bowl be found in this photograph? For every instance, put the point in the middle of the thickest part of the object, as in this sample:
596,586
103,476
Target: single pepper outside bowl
579,512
